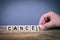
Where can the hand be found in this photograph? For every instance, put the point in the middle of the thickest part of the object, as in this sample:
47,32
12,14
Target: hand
49,19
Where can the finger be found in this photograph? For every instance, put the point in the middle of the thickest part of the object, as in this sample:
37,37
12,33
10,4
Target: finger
42,21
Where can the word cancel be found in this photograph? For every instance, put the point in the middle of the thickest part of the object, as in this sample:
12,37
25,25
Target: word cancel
24,28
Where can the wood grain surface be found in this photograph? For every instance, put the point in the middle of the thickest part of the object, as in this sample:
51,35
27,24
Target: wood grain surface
43,35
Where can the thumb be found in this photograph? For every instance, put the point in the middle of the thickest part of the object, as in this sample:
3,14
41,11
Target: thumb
47,25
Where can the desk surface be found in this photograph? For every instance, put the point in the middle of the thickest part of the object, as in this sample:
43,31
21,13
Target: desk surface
43,35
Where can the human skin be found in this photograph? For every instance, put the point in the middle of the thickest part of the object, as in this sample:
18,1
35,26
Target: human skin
49,19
